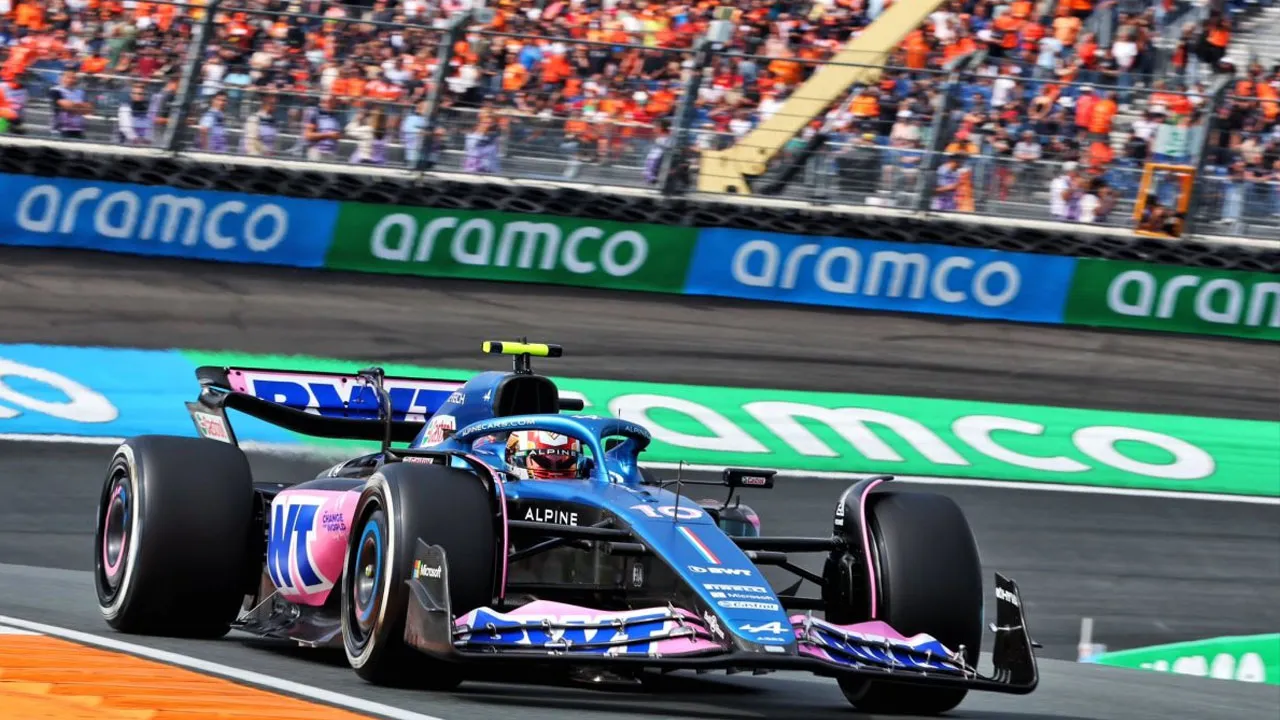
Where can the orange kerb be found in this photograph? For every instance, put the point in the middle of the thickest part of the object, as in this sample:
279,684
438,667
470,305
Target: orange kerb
45,678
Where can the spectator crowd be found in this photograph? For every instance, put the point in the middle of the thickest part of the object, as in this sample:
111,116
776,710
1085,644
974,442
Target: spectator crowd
1069,104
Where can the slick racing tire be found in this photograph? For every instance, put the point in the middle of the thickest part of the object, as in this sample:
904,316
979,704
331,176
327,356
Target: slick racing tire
174,530
400,504
930,581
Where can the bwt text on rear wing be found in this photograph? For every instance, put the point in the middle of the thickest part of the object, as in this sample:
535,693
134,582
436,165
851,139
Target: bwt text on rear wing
319,404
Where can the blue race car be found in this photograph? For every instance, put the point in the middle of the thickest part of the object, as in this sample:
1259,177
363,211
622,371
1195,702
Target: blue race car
512,531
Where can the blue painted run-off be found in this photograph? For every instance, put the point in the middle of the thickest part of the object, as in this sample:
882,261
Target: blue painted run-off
104,392
876,275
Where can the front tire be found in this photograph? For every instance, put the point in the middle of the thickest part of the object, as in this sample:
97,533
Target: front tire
173,533
930,581
400,504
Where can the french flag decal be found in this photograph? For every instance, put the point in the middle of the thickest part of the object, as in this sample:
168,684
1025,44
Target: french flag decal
698,545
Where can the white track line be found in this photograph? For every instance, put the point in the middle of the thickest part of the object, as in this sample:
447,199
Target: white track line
245,676
321,452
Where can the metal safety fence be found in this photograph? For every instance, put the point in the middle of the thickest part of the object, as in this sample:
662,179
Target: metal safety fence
979,136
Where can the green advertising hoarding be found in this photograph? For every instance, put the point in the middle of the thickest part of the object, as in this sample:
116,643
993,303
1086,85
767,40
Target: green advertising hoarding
1247,658
435,242
1147,296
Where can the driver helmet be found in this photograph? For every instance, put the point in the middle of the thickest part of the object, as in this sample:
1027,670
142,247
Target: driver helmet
541,455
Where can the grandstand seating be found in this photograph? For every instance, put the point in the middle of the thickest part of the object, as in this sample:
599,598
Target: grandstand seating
589,89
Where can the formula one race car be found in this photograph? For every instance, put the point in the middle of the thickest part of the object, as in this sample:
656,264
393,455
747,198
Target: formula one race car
511,531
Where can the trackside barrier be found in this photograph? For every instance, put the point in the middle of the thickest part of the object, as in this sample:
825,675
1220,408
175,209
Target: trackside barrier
158,220
281,175
710,261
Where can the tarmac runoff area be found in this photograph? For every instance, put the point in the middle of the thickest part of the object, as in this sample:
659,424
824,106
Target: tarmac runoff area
1148,570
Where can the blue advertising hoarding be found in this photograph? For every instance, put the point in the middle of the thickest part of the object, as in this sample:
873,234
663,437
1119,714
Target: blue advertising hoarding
874,275
165,221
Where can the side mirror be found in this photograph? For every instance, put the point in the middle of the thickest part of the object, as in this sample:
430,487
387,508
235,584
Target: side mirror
749,477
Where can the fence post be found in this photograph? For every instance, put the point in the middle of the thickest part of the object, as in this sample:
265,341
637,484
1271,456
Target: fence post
939,130
679,136
1217,95
1103,23
457,28
190,81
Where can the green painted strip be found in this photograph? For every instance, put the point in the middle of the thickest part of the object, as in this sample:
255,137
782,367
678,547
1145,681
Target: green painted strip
1146,296
1249,658
844,432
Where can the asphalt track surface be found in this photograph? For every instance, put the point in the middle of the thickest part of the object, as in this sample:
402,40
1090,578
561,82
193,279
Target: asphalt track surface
1147,570
97,299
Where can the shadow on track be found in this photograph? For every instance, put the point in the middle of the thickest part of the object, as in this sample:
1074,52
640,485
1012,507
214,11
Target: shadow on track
711,699
698,697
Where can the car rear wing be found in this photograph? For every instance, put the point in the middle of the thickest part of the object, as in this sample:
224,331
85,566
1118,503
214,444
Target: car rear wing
358,406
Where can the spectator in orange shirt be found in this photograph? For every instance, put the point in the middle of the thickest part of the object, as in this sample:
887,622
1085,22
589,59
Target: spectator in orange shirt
1066,27
1084,107
962,144
29,14
917,50
20,59
514,76
1079,8
865,107
786,69
1217,35
94,64
1100,156
1101,116
1008,27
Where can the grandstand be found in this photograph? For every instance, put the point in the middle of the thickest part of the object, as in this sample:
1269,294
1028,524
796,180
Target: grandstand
1043,110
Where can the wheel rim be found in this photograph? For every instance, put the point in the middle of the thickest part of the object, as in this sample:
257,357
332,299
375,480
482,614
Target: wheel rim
366,577
115,532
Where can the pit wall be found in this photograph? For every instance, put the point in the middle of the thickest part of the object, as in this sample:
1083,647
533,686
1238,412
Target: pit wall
846,272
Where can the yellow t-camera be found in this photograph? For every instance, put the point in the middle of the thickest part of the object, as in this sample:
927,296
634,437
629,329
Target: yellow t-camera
521,348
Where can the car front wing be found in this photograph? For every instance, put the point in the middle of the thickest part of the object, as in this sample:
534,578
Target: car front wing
671,638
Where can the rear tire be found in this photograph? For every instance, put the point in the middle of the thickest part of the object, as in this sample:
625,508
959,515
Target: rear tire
174,528
930,581
400,504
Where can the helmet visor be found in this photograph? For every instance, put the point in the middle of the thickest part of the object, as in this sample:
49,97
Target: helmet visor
552,462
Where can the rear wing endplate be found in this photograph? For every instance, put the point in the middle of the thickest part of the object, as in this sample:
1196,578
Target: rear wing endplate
318,404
